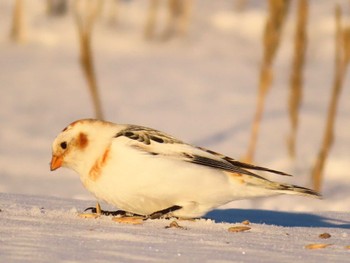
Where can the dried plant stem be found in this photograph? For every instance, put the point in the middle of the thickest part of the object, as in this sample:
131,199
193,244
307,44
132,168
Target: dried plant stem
296,79
342,58
17,28
240,5
85,24
150,25
179,12
56,7
113,12
272,35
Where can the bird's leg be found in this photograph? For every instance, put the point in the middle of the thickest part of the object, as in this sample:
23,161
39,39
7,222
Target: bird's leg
161,213
135,219
98,211
105,212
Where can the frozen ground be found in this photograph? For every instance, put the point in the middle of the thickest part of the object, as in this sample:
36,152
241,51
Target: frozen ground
201,89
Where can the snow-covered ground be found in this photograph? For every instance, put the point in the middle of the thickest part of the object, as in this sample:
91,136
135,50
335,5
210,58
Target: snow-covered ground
47,229
201,89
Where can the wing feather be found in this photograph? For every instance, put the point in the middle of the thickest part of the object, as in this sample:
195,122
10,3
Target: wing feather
157,143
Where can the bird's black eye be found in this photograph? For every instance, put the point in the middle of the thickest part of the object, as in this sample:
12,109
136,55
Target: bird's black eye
63,145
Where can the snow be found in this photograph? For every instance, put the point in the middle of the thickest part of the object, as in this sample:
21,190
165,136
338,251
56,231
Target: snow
202,89
47,229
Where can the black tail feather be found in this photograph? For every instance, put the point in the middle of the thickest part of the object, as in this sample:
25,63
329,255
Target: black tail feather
300,189
257,168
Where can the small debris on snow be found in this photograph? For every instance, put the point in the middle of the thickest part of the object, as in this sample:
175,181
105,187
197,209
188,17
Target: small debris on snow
236,229
324,235
88,215
317,246
246,222
129,220
174,224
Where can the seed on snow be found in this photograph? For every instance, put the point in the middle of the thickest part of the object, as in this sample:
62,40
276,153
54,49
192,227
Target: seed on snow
317,246
236,229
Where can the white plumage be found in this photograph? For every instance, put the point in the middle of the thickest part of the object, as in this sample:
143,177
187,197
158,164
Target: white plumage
143,171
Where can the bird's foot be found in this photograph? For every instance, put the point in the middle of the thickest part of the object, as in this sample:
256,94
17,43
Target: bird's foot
97,212
165,213
128,217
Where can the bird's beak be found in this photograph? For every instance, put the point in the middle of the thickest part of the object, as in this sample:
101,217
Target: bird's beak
56,162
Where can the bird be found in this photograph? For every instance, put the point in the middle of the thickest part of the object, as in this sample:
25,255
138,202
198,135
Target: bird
146,172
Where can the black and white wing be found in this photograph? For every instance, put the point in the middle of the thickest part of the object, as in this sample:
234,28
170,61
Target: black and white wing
154,142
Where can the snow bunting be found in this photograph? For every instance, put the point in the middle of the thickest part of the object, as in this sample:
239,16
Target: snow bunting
147,172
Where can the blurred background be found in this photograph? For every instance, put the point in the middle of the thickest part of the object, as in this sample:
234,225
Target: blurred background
189,68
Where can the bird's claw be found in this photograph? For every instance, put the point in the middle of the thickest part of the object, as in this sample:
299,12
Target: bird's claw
93,209
105,212
97,211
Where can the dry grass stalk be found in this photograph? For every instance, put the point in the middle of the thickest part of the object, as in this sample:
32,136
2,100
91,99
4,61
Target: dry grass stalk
113,14
342,58
85,20
179,12
296,79
17,26
277,13
240,5
56,7
150,24
178,18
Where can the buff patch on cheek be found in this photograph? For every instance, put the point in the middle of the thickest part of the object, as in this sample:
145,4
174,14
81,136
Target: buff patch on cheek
82,140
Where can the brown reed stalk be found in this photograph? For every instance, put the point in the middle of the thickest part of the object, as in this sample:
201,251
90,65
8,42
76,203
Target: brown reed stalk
150,24
17,27
179,12
278,10
240,5
84,21
113,14
342,58
56,7
296,78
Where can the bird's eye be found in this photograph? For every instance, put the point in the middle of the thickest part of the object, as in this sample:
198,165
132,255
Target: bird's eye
63,145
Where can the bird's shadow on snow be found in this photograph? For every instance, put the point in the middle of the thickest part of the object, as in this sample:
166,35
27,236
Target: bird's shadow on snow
278,218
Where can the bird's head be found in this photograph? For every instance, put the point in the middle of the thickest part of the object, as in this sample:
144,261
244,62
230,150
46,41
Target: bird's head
80,143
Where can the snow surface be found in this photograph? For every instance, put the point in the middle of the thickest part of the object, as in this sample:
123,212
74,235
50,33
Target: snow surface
47,229
202,89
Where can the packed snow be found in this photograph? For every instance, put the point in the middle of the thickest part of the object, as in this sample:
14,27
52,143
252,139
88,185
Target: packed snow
200,88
